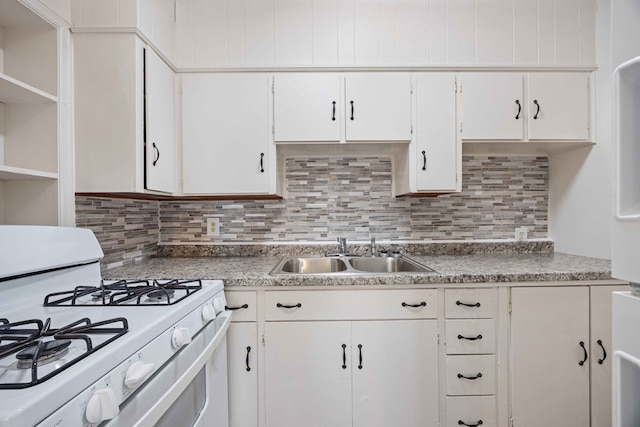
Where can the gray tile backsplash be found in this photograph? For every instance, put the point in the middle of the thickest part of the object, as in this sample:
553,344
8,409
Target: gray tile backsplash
331,196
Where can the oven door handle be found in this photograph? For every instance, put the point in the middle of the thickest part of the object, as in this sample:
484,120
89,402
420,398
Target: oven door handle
153,414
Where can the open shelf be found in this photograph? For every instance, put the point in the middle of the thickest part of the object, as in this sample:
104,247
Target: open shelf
13,91
10,173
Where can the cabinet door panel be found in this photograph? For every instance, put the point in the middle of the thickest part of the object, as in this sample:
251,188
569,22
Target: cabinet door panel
436,132
225,120
378,107
305,382
490,110
307,107
160,154
549,386
562,109
242,343
397,384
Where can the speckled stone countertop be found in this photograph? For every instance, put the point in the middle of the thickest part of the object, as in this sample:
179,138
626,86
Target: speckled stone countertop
475,268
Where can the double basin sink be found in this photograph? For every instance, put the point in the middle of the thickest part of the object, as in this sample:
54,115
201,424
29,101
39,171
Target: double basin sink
348,264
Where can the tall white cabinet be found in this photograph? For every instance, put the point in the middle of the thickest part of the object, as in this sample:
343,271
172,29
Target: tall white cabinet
33,114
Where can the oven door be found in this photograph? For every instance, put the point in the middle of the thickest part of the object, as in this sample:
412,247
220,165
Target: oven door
190,390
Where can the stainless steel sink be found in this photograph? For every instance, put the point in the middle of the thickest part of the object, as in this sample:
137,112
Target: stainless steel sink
338,265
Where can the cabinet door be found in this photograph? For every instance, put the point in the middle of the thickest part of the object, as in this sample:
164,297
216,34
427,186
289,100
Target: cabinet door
601,354
242,342
559,106
493,106
307,107
225,128
549,386
395,372
307,382
378,107
160,141
438,151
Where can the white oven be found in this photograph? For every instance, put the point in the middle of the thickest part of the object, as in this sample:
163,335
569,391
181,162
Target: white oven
79,351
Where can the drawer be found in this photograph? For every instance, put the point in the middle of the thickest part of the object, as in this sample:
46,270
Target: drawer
470,375
351,305
470,411
242,304
473,336
470,303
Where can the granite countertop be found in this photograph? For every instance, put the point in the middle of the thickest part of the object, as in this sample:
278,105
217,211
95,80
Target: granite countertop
473,268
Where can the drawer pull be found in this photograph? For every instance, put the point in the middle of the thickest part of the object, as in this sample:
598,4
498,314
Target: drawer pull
247,362
360,357
298,305
470,378
586,356
422,304
462,423
462,337
468,305
604,352
243,306
344,356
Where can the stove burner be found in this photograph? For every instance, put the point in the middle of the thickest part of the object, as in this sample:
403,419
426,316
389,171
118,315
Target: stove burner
46,352
100,295
160,295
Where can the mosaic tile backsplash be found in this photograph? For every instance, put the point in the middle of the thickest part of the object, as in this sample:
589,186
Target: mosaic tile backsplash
327,197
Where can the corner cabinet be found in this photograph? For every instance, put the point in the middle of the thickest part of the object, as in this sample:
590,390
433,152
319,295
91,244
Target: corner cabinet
125,116
33,116
561,362
351,358
335,107
226,134
533,107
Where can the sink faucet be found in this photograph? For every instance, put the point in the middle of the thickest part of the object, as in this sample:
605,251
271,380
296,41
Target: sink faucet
372,246
342,245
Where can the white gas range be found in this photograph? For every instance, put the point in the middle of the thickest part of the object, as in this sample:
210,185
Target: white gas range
79,351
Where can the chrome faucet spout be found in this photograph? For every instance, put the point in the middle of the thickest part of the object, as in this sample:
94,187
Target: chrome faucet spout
372,246
342,245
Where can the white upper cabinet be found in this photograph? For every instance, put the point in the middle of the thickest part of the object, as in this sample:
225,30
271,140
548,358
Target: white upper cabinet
556,107
307,107
378,107
160,142
493,105
254,33
559,106
226,134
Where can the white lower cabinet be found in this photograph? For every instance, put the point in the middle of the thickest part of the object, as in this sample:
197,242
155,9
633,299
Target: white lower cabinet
242,346
363,373
560,375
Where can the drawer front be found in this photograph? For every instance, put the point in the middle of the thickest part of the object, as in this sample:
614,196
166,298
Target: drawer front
351,305
475,336
242,305
470,303
471,411
471,375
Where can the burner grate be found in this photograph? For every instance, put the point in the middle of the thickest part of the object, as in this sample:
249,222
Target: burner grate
126,293
31,343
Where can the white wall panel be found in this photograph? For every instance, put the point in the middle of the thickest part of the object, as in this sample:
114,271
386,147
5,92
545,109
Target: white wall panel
346,45
235,32
387,31
494,34
366,31
146,8
293,28
566,32
438,31
546,32
325,32
96,13
185,41
209,32
412,32
258,32
587,30
525,28
461,32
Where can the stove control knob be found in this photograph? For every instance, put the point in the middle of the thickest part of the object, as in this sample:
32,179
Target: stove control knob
102,406
218,304
208,312
181,337
137,373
